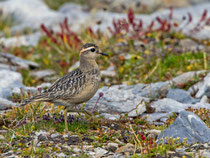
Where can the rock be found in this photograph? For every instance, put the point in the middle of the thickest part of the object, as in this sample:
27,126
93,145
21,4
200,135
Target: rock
187,125
205,88
186,77
9,80
61,155
5,104
155,132
29,13
82,19
54,135
1,137
128,148
109,72
24,40
42,133
181,96
73,67
141,108
205,153
189,45
16,61
204,100
151,118
110,116
42,73
117,99
112,144
7,67
167,105
153,90
195,88
99,152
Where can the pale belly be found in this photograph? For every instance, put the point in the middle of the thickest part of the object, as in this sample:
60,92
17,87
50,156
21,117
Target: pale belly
86,94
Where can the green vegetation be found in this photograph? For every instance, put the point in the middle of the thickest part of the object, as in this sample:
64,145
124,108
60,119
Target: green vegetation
55,4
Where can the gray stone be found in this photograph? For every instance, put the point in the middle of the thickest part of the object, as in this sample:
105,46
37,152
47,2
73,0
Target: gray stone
9,80
188,44
54,135
181,95
205,153
187,76
73,67
204,99
109,72
167,105
99,152
151,118
5,104
42,73
110,116
153,90
13,60
118,98
187,125
23,40
29,13
205,88
7,67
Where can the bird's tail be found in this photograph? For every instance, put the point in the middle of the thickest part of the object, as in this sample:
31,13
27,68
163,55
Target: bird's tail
37,98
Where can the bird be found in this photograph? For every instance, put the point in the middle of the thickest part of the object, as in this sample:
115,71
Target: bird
77,86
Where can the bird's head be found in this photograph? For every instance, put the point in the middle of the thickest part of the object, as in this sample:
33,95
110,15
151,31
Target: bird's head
90,51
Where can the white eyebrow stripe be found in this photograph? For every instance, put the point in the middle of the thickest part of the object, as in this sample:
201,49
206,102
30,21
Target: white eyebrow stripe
83,50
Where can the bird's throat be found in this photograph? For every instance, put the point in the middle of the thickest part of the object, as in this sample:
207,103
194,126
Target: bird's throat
87,64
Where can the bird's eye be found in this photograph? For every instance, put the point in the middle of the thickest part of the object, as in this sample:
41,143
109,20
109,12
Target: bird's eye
93,50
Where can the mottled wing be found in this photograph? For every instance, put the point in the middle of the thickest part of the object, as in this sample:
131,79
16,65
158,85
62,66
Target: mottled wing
59,82
66,87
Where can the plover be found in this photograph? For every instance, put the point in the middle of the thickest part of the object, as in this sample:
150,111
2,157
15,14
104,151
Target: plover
75,87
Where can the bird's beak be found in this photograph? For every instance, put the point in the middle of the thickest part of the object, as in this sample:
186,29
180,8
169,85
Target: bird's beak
103,54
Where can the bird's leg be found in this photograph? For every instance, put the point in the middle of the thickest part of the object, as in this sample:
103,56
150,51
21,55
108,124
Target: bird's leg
65,119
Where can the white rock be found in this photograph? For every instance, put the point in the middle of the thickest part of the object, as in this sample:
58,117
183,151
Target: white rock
54,135
110,116
118,98
9,80
30,13
204,99
42,73
13,60
112,144
187,76
1,137
156,116
99,152
61,155
24,40
109,72
167,105
205,88
73,67
141,108
5,104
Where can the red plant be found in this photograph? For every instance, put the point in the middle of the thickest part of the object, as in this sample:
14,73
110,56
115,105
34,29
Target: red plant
134,27
64,37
